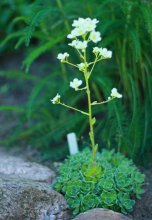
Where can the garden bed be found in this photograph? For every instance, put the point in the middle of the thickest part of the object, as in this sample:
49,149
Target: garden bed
143,207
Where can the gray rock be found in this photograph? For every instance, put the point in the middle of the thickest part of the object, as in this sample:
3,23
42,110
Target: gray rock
22,199
18,167
101,214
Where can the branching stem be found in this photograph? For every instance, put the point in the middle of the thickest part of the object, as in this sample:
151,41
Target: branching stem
100,103
67,106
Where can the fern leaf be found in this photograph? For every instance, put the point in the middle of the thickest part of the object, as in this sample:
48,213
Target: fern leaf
40,50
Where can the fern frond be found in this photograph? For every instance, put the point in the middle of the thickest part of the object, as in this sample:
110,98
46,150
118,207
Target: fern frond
39,16
40,50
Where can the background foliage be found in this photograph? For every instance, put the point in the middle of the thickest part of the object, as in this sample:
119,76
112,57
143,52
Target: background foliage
42,27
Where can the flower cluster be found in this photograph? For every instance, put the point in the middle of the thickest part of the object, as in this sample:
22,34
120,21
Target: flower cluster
85,28
82,26
103,52
63,56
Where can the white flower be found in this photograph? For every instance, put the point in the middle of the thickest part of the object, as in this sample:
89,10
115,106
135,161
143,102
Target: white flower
96,50
114,93
62,56
56,99
95,36
80,45
72,34
73,44
90,25
79,31
87,24
75,83
79,22
105,53
81,66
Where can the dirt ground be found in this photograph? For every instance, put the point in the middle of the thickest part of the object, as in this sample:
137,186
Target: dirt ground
143,207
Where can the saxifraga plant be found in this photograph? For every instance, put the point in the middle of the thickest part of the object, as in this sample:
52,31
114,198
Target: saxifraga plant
85,29
91,179
115,186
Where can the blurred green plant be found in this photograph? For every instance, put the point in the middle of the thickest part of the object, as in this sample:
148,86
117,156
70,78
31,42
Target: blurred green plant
13,14
127,30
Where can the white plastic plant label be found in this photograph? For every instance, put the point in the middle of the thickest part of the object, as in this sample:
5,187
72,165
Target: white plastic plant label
72,143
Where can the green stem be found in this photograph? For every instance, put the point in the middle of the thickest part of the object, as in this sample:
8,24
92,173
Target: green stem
79,53
93,64
97,60
71,64
100,103
81,89
91,133
67,106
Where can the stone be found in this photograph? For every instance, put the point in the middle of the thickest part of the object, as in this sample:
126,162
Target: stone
18,167
101,214
22,199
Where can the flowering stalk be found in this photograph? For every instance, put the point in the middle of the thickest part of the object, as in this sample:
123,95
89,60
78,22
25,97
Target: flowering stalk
85,28
91,121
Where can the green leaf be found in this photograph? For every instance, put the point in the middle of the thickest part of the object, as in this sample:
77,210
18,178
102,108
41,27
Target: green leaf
36,19
106,184
95,148
87,186
128,204
93,172
11,37
12,108
125,202
74,204
139,178
90,201
123,181
35,53
138,191
108,198
93,121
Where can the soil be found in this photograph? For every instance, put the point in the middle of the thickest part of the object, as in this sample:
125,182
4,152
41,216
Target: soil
143,207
